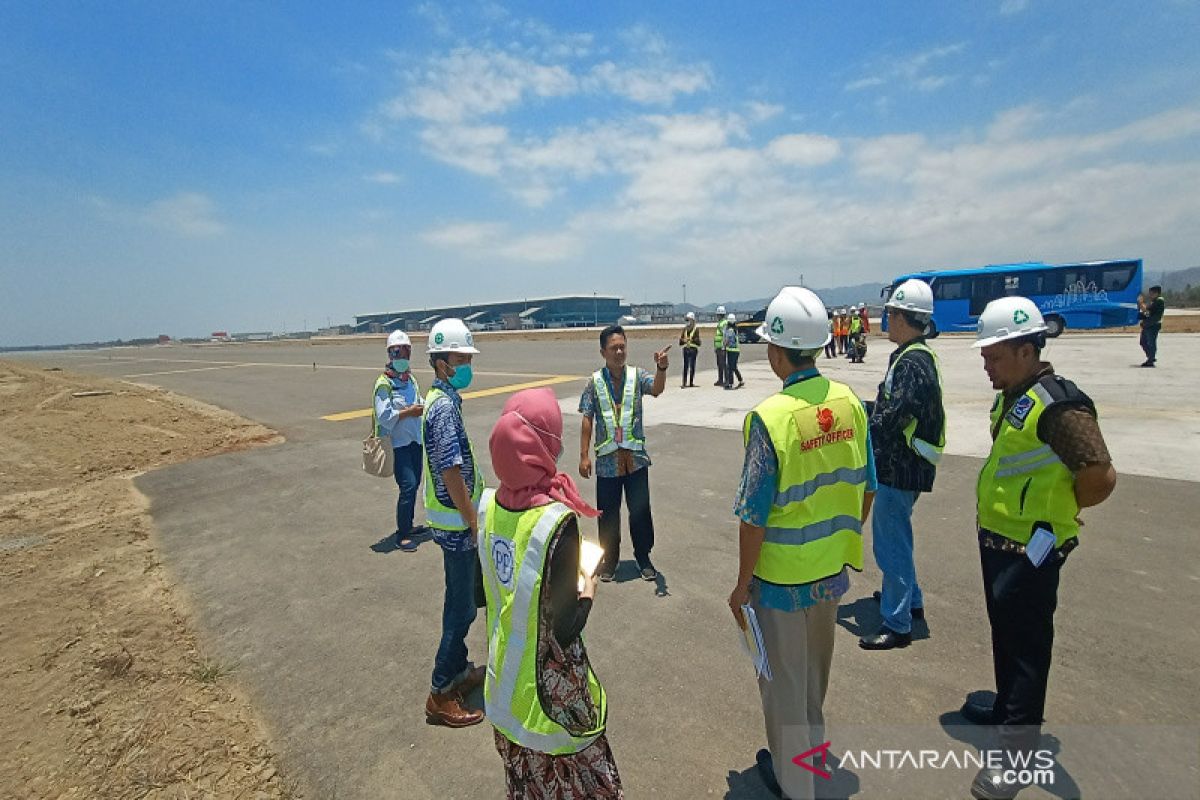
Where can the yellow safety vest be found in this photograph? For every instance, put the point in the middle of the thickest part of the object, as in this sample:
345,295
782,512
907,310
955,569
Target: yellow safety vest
856,325
930,451
1023,482
441,516
384,382
690,338
513,548
618,429
819,431
720,337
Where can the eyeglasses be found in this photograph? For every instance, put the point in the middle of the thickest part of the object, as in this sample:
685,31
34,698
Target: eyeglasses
396,351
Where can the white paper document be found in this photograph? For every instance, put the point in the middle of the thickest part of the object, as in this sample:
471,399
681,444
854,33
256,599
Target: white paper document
752,640
590,554
1040,545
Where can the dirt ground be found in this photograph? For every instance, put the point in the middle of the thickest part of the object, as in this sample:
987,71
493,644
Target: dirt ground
106,691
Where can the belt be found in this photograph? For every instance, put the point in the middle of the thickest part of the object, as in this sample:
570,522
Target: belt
989,540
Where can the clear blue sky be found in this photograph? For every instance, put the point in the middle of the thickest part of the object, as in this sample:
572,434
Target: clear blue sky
183,168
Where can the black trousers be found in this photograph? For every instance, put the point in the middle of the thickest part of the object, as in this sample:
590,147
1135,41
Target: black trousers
636,488
720,368
689,365
731,367
1021,600
1149,342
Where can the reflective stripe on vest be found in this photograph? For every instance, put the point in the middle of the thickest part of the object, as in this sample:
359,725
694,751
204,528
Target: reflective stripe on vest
513,549
383,381
930,451
818,429
719,339
1023,482
608,412
734,346
691,338
441,516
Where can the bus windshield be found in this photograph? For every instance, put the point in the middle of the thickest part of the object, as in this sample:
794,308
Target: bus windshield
1097,294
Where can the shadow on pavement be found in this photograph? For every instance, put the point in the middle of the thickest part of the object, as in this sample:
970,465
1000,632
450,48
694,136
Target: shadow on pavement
861,617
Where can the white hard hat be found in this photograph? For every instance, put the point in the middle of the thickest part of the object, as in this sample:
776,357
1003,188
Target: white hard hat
398,339
720,309
690,315
731,318
912,295
796,320
450,335
1008,318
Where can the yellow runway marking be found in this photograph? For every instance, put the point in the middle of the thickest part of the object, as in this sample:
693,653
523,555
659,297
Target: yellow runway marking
509,389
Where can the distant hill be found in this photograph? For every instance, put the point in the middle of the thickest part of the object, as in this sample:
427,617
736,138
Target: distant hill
841,296
1174,280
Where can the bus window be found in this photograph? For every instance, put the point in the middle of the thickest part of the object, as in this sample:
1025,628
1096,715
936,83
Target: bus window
985,289
949,289
1116,278
1012,284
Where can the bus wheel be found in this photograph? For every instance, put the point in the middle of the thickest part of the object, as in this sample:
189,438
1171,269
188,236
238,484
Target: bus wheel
1054,326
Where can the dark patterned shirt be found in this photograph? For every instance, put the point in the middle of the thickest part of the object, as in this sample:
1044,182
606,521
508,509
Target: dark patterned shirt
915,394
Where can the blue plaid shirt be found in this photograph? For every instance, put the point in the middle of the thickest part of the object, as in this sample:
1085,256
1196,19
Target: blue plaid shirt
446,446
589,406
755,498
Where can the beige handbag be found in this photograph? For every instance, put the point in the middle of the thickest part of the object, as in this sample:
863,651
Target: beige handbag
378,458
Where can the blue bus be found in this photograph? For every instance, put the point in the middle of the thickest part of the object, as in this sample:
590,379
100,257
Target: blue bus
1095,294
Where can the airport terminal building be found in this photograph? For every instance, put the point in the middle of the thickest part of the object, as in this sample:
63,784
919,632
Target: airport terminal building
569,311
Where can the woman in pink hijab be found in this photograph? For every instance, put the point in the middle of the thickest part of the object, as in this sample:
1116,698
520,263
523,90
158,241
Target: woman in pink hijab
525,446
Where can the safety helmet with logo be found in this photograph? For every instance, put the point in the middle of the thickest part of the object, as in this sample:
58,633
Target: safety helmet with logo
731,318
912,295
398,339
1008,318
796,320
451,335
690,315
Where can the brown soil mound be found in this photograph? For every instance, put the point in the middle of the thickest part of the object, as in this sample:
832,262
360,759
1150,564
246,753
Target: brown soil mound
106,691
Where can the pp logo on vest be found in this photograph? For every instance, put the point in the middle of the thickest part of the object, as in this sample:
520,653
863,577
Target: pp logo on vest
1020,411
502,558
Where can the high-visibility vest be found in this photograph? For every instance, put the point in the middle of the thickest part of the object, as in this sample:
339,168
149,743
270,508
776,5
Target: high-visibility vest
819,431
930,451
618,429
690,338
735,346
1023,481
384,382
513,549
448,518
719,339
856,325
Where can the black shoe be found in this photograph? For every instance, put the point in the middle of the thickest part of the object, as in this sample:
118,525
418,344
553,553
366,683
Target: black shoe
649,573
886,639
606,575
1148,364
978,713
766,771
917,613
989,784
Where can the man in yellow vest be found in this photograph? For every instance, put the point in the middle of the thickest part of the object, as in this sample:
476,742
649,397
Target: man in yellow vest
689,340
453,486
719,346
807,485
908,431
611,405
1048,460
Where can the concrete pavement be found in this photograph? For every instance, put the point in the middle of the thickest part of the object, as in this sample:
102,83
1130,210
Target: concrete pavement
284,553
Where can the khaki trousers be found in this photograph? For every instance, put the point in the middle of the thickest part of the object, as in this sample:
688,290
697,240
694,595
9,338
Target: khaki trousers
799,648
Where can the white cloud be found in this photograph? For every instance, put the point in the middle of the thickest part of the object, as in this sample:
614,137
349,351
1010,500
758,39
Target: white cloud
186,214
648,85
464,234
911,71
384,178
1013,6
804,150
761,112
473,148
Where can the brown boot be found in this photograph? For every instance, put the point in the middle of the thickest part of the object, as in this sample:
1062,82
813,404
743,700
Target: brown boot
472,682
447,709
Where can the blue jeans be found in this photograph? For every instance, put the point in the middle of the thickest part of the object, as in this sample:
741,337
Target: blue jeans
458,612
408,479
892,541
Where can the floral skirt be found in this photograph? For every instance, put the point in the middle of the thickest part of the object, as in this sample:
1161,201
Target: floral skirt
590,773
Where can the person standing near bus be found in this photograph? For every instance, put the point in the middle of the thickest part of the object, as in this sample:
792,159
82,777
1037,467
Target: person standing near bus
719,346
689,340
908,433
1151,315
1048,460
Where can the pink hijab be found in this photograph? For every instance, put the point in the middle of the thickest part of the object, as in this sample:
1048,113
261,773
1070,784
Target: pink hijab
525,446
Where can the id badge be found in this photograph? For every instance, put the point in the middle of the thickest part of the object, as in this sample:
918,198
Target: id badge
619,436
1040,545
